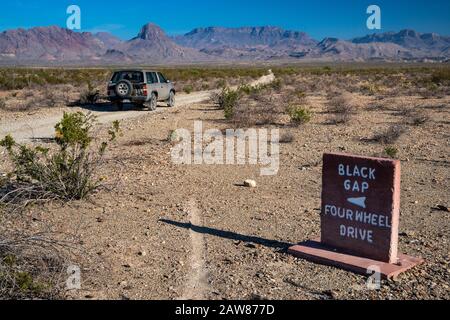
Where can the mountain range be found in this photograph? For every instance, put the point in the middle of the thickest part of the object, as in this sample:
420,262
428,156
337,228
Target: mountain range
55,45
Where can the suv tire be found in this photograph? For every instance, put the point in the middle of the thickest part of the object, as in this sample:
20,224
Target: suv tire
152,104
123,88
171,100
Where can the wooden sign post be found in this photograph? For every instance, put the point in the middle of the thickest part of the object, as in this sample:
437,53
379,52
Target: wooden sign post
359,216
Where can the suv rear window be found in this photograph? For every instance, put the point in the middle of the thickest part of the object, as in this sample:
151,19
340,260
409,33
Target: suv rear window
132,76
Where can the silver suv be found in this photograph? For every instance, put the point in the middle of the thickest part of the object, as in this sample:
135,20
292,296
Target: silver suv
142,87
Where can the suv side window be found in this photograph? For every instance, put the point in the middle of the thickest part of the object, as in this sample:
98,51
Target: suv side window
162,79
152,78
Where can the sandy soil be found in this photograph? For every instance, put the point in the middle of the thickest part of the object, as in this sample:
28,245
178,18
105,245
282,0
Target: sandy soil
170,231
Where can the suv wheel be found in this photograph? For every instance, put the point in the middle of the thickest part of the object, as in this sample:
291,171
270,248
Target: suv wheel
171,101
123,88
153,102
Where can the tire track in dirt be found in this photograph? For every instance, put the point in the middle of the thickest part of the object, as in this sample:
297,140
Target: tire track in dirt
196,287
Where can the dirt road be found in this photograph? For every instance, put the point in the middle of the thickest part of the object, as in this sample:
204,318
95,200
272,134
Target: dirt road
37,127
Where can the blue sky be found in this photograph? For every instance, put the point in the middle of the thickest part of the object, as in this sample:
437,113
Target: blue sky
319,18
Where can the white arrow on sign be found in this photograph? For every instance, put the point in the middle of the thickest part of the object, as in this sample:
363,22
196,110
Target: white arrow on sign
360,202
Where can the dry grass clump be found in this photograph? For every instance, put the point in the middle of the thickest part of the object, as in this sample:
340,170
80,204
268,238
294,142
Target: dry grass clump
256,110
287,137
89,96
371,88
32,266
390,135
2,103
416,118
412,115
342,108
405,110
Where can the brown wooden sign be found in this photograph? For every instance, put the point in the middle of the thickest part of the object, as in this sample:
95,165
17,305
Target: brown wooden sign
360,205
359,217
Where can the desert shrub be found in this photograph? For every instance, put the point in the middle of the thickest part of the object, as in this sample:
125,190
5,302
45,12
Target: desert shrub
89,96
23,105
28,94
255,110
429,91
67,173
390,135
173,137
342,107
416,118
188,89
276,85
299,114
391,152
2,104
287,137
221,83
248,89
300,95
370,89
405,110
20,78
227,100
441,76
49,98
32,266
419,119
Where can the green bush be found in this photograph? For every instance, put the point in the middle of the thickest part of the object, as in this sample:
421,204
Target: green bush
227,100
20,283
440,76
65,173
221,83
188,89
299,114
391,152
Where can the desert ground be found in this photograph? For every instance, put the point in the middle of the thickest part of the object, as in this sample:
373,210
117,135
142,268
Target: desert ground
158,230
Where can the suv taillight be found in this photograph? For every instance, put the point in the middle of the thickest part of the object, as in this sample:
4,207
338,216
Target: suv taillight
144,88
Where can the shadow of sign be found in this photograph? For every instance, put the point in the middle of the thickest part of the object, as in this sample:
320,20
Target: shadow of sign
274,244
